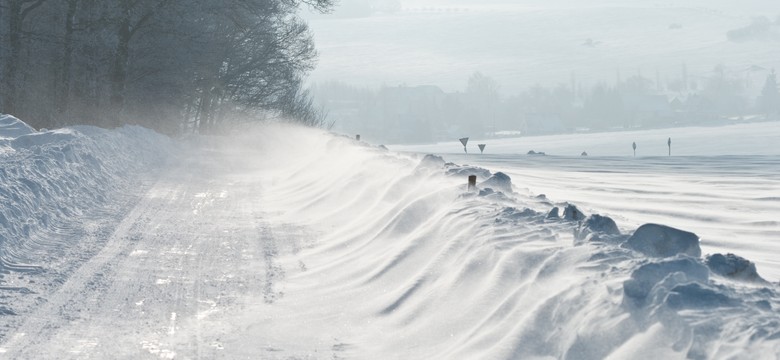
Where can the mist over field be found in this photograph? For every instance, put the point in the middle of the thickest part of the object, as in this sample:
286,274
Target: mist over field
487,69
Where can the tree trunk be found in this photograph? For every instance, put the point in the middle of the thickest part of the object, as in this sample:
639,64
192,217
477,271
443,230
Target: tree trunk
15,51
17,12
121,55
64,86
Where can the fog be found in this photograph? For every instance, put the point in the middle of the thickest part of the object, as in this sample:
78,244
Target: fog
427,71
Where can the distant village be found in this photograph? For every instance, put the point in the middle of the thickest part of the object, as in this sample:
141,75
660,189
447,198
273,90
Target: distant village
423,114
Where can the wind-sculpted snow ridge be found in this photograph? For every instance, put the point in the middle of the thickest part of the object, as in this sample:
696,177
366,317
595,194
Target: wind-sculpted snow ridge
50,180
422,268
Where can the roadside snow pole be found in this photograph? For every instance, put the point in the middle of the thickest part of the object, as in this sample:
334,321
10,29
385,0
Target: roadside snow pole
669,143
464,141
634,146
481,148
472,183
357,137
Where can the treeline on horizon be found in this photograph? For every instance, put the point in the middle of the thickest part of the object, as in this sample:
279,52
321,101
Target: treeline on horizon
170,65
414,114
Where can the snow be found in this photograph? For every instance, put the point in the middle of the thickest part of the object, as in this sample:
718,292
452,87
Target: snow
53,180
720,182
663,241
280,242
733,266
11,127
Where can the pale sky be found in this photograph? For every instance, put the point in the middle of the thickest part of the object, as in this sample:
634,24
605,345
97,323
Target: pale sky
522,43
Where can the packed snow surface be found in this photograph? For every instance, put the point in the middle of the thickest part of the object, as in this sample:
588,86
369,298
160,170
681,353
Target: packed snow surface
289,243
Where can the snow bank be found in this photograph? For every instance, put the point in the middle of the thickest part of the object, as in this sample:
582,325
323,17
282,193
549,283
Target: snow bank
50,180
11,127
398,246
403,248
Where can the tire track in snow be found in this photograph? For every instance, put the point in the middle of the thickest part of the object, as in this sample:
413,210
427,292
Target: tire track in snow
274,272
77,290
181,276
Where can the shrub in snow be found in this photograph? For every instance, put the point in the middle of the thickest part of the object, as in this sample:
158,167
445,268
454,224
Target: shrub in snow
734,267
663,241
499,182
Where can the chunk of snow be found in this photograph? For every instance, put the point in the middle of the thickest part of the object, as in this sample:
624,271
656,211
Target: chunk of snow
554,213
466,170
571,213
499,182
431,162
645,278
597,228
664,241
697,296
733,267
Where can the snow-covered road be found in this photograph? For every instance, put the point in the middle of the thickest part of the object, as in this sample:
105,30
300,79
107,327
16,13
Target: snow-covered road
288,243
192,253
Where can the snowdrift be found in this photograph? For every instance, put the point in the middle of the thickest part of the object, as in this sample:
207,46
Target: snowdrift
390,256
421,268
52,181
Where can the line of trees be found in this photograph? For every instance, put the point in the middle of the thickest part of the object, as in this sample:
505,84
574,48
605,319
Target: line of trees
426,113
171,65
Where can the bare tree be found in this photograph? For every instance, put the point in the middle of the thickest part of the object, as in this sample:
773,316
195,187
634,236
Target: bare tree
17,12
166,64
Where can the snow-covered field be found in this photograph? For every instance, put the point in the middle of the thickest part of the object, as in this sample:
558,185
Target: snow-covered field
723,183
288,243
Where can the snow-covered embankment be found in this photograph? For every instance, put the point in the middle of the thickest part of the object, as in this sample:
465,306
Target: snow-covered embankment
405,250
51,182
375,254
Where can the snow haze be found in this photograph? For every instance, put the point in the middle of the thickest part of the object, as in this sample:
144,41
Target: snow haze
283,242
